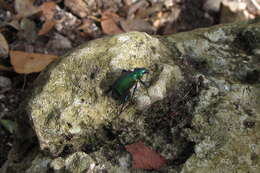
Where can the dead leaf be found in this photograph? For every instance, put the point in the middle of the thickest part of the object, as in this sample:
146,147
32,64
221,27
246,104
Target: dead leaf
25,8
144,157
135,7
146,12
233,12
48,11
46,27
79,7
24,62
4,49
89,29
137,25
109,22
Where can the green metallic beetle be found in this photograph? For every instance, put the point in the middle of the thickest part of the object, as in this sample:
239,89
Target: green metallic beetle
122,86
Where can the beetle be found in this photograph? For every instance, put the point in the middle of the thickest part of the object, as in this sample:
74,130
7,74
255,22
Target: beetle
121,87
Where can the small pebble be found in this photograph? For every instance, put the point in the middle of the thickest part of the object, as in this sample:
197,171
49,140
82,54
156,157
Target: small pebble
5,82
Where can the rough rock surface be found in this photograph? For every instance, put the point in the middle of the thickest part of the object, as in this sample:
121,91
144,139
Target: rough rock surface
201,110
70,105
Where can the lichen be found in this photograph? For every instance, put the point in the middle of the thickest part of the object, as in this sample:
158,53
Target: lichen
200,111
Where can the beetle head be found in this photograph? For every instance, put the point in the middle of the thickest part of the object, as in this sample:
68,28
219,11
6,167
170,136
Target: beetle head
141,71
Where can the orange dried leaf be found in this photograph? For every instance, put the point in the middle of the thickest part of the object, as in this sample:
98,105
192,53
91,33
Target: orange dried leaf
108,23
80,7
46,27
48,10
144,157
24,62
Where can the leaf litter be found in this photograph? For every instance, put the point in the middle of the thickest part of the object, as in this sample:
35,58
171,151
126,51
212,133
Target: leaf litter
144,157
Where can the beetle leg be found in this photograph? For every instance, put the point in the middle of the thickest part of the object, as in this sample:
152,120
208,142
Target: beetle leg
125,98
132,95
108,90
122,108
145,86
143,83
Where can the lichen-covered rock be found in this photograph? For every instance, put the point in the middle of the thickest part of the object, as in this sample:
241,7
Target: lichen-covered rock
201,109
226,133
69,106
225,124
39,164
77,163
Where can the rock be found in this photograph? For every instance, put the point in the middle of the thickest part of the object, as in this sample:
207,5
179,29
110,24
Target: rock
72,102
40,164
200,110
212,5
59,42
5,83
78,162
58,165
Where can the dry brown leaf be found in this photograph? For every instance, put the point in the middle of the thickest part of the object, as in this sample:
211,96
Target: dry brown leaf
144,157
48,11
79,7
109,22
4,49
46,27
89,29
137,25
135,7
144,12
234,12
25,8
24,62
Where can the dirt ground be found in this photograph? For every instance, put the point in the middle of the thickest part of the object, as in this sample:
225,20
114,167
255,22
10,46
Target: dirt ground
54,27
